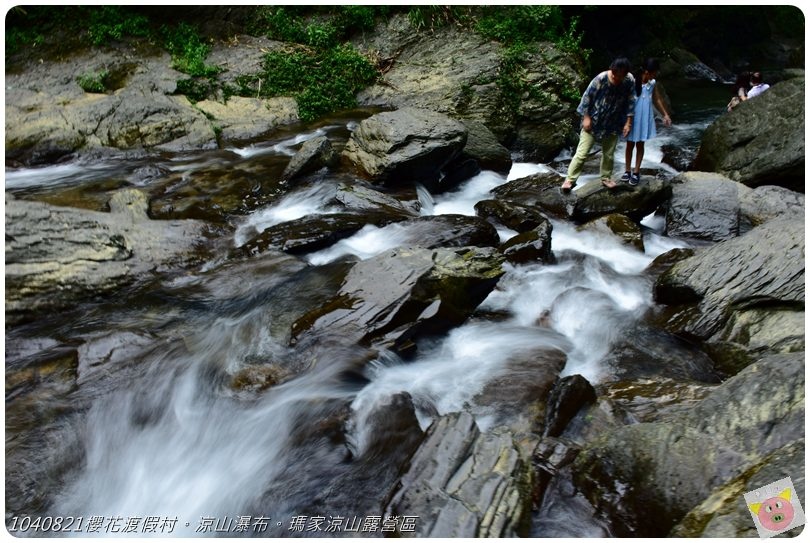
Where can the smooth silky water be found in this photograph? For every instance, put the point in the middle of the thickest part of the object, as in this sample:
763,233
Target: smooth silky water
176,440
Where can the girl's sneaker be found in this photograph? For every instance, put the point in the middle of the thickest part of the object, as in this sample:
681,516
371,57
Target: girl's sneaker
634,179
626,177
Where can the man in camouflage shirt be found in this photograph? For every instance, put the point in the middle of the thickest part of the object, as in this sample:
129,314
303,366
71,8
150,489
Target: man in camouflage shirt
607,109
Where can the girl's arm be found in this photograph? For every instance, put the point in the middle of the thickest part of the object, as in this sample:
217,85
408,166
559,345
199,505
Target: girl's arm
659,105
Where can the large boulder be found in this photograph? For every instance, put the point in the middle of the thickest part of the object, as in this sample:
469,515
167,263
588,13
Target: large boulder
465,483
483,146
405,146
745,296
704,206
760,142
646,477
767,202
589,202
725,514
712,207
57,257
426,70
390,298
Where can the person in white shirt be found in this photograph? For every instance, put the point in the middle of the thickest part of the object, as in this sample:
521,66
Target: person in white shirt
758,86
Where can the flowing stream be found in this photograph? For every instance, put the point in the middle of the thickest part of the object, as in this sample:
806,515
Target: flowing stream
171,440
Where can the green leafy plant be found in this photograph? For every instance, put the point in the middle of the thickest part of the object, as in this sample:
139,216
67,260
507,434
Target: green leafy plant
280,24
188,50
321,81
94,81
113,23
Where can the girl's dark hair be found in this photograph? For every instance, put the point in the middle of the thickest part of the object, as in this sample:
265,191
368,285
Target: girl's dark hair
742,82
649,65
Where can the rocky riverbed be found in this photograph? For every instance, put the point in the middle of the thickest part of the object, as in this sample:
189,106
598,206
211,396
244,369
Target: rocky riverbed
152,314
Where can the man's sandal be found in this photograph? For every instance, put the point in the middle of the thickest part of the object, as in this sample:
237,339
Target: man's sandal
609,183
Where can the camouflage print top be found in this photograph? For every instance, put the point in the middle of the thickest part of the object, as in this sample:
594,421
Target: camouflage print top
608,105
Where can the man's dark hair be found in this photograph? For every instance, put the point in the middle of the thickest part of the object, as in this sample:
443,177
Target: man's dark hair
756,78
621,64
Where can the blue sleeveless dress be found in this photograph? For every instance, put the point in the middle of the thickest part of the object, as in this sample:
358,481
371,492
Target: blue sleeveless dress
644,119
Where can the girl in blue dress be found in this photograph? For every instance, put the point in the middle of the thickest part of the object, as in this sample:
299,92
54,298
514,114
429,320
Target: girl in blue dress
648,96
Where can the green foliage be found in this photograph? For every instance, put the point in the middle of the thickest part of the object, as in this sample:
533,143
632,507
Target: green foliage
354,19
280,24
188,50
431,17
521,24
94,81
197,88
321,81
322,35
108,23
326,27
20,38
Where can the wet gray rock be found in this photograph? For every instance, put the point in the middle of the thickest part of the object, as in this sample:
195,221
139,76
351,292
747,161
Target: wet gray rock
405,146
748,291
531,246
521,218
704,206
394,435
654,398
724,512
313,155
761,142
358,196
57,257
569,395
587,203
465,483
517,397
450,231
390,298
593,200
311,232
646,477
652,353
767,202
483,146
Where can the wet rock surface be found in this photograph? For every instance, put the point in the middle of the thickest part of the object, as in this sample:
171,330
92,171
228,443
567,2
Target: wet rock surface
648,476
768,128
478,488
58,256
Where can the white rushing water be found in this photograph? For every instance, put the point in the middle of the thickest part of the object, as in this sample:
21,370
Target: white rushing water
177,445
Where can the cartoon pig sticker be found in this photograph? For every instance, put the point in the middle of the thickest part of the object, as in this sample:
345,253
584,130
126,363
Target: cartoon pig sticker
774,514
775,508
